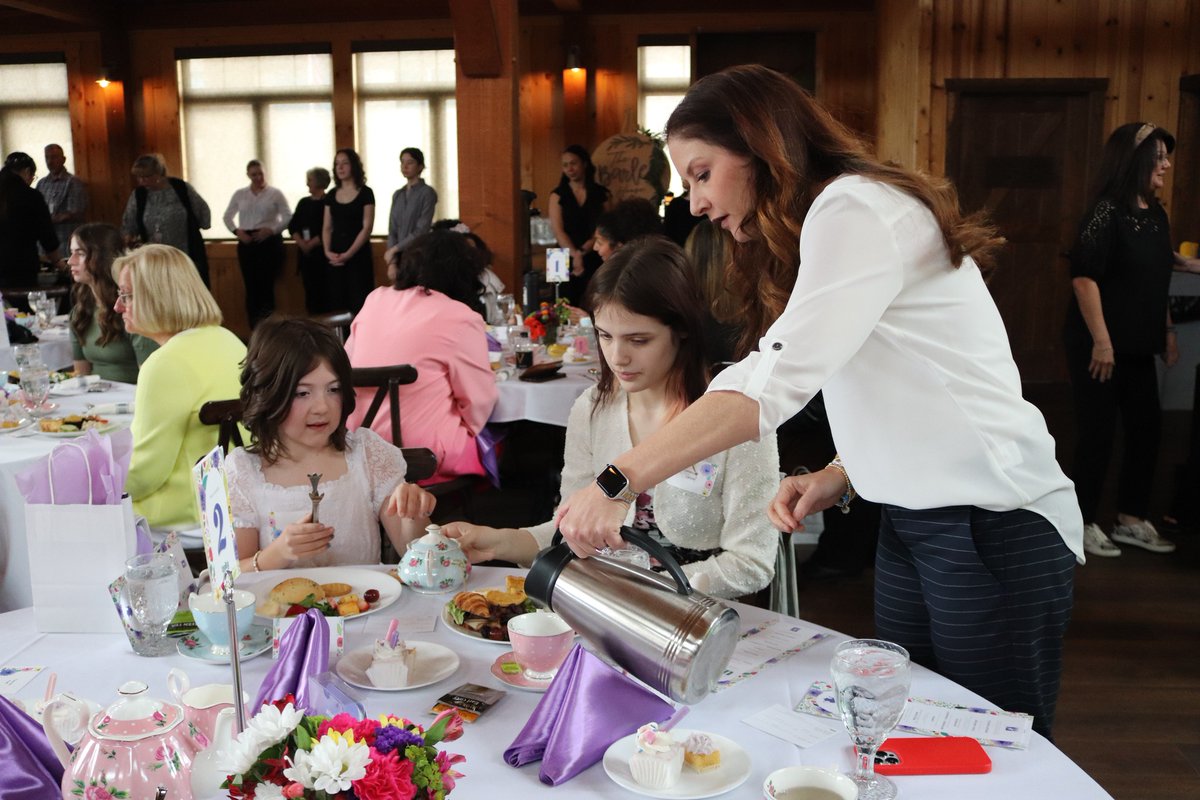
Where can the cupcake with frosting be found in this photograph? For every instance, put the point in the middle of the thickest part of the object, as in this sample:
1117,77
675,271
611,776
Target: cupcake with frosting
658,760
391,665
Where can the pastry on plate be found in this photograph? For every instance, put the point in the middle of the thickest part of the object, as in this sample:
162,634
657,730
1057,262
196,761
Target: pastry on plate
390,666
294,590
658,760
700,753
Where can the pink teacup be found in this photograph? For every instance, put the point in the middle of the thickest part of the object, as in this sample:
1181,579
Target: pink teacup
201,704
541,642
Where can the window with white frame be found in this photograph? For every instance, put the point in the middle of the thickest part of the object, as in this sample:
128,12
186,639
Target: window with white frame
274,108
34,110
406,99
664,75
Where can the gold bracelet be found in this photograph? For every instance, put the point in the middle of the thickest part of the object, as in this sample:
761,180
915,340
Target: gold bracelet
844,501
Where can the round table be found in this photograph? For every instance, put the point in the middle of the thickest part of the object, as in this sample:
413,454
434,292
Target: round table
1041,772
547,402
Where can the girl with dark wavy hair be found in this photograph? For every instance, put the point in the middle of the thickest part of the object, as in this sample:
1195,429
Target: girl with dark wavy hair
864,279
99,340
296,396
346,234
650,323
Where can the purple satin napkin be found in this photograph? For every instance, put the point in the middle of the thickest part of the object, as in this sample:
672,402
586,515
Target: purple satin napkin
587,707
303,653
29,770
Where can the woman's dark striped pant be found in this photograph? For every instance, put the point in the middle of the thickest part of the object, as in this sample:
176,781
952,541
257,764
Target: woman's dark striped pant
981,597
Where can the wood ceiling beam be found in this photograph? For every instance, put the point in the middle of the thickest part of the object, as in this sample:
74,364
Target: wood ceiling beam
476,38
76,12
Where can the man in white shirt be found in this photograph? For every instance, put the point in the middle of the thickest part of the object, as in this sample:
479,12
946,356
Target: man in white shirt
262,213
65,194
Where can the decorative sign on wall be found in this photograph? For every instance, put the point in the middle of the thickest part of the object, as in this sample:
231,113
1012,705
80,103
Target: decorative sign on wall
632,165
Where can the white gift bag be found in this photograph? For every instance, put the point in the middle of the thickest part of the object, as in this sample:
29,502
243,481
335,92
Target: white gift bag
75,551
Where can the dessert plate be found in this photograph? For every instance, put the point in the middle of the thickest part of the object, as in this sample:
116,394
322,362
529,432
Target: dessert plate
359,579
517,680
107,427
256,642
21,424
431,663
692,785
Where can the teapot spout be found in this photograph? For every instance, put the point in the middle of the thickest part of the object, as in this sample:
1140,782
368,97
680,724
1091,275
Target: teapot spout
69,710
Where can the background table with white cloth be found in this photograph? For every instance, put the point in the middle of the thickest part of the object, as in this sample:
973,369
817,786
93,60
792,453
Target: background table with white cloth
548,402
1042,771
18,450
55,343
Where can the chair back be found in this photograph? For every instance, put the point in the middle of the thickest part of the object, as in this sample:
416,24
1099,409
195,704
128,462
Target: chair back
226,415
387,382
339,321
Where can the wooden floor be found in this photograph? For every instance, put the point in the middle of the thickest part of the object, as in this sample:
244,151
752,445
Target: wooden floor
1129,709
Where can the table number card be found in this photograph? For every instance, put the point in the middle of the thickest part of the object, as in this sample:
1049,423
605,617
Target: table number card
220,544
558,265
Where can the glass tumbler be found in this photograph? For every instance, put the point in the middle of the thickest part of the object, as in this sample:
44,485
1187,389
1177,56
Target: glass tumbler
152,582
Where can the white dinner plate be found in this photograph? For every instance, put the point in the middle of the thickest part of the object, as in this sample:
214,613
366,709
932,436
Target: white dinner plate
449,622
106,428
431,663
692,785
359,579
21,423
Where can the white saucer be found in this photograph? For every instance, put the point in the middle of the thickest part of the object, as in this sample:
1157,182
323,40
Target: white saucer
432,663
517,680
692,785
256,642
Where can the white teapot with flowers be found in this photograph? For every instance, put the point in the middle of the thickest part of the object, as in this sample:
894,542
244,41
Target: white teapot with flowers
130,749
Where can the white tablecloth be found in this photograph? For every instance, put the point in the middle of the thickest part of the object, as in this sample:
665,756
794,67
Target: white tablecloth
548,402
55,345
1042,771
17,451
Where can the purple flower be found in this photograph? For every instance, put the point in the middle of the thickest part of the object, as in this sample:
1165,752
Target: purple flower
391,738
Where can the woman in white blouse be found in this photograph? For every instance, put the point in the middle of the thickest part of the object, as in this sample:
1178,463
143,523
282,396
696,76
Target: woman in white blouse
885,309
649,320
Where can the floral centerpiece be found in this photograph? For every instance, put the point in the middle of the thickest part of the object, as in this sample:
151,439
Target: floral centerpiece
545,321
284,753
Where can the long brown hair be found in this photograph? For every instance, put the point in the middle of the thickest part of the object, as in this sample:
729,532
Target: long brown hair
281,352
795,146
102,244
650,276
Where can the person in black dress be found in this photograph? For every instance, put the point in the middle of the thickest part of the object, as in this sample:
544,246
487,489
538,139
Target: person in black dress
575,205
1117,322
24,223
306,225
346,234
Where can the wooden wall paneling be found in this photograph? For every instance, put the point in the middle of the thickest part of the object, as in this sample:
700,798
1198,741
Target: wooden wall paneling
488,148
1166,27
1058,34
615,92
539,108
847,89
343,97
1027,41
904,98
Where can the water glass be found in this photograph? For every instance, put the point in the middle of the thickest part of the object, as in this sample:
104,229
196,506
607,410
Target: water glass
35,297
28,356
152,582
35,388
871,680
45,310
507,305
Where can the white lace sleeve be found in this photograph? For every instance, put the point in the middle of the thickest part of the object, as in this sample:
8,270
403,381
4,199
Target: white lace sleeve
242,475
385,465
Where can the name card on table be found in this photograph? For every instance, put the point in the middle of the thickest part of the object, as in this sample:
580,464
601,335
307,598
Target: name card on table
558,265
337,633
220,543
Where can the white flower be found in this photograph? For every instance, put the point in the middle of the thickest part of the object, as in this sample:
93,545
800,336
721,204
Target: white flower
273,725
242,752
268,791
331,766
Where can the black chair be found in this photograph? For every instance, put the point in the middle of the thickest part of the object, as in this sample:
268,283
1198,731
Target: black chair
339,321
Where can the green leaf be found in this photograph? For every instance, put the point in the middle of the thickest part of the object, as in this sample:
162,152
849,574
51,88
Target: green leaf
303,738
457,614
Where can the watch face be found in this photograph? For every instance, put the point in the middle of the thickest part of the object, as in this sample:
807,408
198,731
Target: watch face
611,481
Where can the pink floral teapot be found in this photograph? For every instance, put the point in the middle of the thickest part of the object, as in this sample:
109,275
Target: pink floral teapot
130,749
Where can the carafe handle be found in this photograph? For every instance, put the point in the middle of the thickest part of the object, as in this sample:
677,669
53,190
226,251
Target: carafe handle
642,540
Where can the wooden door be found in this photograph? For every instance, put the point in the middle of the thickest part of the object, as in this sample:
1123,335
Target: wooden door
1026,151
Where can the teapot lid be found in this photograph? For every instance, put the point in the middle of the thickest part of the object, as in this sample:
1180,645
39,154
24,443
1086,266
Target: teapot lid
434,539
135,715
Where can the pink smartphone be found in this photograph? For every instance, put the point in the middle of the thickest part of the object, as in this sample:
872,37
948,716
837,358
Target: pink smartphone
941,755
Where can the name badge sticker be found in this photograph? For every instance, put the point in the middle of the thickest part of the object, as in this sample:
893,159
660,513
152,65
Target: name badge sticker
697,479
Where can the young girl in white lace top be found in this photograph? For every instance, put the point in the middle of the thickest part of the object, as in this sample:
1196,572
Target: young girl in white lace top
296,394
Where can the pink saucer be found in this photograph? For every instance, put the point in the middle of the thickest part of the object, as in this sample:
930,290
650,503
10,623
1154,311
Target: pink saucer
517,680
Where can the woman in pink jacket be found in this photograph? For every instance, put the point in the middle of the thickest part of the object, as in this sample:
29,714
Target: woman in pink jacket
432,319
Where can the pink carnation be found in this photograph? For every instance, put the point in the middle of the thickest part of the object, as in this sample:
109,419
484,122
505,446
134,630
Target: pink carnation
364,729
387,778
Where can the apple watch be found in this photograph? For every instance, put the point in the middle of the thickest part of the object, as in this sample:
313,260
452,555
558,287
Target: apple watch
615,485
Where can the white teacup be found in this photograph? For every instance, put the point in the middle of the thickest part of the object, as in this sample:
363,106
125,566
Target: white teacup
808,783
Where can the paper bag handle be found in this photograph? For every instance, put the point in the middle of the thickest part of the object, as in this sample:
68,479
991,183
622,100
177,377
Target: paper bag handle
50,469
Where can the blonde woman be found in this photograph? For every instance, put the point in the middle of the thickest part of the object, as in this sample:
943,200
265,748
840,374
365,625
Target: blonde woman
161,297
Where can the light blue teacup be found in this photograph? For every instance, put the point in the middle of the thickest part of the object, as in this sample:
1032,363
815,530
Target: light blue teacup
210,615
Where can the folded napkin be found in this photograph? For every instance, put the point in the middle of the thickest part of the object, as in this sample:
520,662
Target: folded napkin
29,770
303,654
89,470
587,707
73,385
111,408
